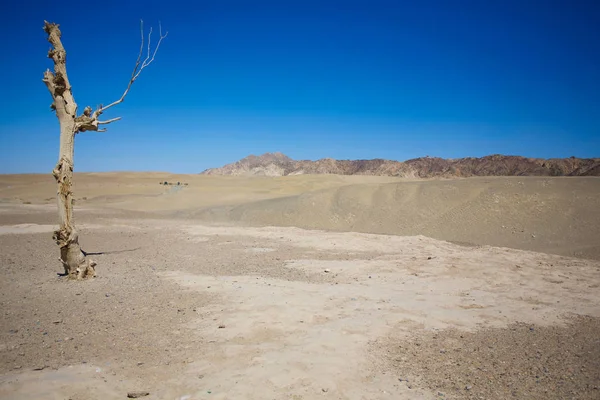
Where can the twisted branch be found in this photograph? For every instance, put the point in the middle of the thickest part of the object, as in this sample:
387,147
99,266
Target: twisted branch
137,70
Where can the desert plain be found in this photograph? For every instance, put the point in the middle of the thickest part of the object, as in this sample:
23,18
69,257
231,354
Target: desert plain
303,287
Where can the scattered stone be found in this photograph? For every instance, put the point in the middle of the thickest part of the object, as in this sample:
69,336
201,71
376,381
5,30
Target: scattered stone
327,270
221,326
136,395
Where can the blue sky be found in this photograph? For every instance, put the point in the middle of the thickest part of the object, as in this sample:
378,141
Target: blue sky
313,79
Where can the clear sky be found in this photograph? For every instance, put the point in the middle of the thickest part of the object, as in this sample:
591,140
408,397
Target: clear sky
312,79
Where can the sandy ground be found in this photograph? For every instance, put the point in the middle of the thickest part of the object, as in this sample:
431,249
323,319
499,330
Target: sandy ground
191,307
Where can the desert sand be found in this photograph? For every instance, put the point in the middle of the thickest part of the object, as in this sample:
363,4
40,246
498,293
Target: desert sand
304,287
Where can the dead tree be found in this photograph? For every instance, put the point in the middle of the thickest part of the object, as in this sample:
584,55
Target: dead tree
74,261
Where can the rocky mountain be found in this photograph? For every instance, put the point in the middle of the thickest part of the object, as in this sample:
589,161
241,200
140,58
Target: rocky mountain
278,164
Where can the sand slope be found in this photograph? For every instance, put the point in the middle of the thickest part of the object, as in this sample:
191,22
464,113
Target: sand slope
555,215
559,215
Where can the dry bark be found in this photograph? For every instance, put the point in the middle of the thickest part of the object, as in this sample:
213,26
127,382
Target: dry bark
76,264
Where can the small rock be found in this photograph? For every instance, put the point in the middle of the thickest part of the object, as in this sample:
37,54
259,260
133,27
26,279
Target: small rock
468,387
221,326
136,395
327,270
140,363
325,390
57,321
441,394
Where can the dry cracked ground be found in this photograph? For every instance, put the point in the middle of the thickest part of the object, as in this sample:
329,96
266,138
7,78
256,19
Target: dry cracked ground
187,310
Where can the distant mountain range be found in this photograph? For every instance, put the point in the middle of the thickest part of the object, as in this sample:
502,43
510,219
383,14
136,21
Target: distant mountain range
278,164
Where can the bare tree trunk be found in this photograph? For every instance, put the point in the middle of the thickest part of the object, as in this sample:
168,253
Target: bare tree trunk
73,259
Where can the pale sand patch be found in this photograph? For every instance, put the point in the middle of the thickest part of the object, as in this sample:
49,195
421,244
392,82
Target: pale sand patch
80,382
260,249
46,228
26,228
306,340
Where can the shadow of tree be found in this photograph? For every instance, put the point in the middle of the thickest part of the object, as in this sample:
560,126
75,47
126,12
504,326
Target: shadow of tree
100,253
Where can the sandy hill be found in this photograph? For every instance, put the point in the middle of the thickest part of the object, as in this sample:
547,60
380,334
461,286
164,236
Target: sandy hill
278,164
557,215
554,215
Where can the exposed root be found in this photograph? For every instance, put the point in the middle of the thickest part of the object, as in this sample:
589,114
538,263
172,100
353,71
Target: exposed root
76,264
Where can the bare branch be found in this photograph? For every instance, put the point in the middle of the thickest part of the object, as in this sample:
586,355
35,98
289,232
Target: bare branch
149,42
137,70
85,123
108,121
